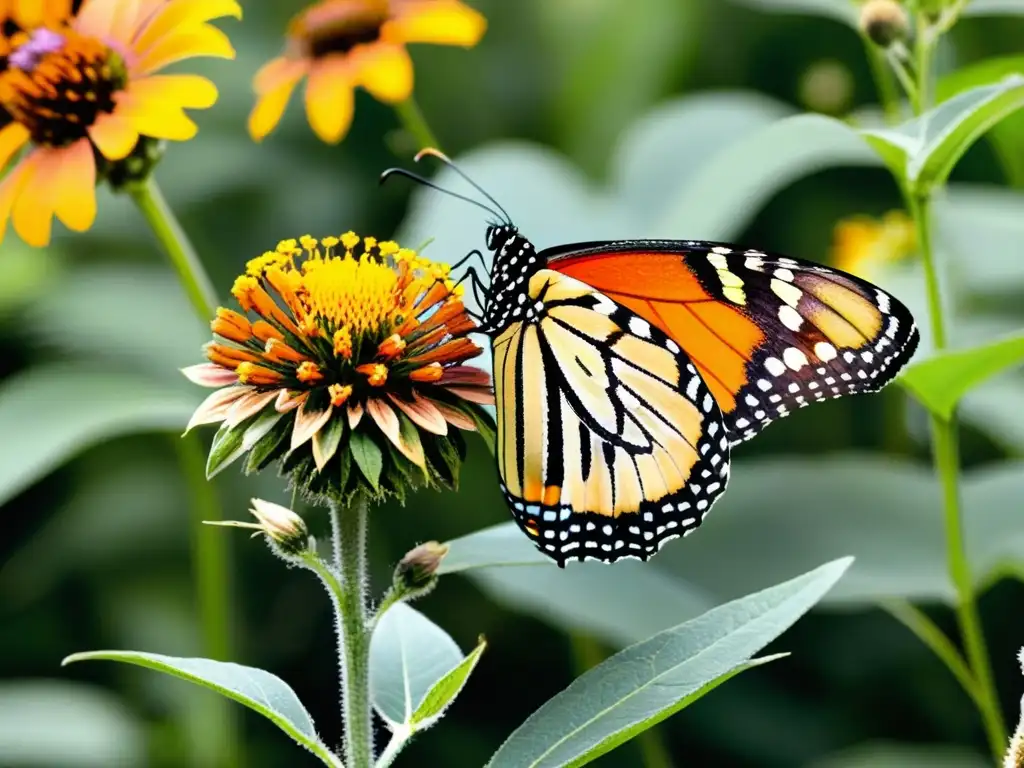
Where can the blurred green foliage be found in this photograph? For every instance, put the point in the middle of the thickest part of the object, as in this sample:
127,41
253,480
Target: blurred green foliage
587,119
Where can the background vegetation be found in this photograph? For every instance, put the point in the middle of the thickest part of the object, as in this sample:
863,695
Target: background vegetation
587,119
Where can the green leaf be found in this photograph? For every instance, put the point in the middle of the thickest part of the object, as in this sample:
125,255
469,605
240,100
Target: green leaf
840,10
327,440
270,446
720,198
994,8
367,456
893,755
409,656
930,145
647,682
939,382
501,544
51,413
257,689
443,692
43,724
227,447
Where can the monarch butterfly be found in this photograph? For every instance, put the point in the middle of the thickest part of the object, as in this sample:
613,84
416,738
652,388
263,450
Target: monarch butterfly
624,372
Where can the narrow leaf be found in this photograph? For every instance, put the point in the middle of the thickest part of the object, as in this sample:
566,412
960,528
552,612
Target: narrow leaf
840,10
367,456
941,381
227,446
327,440
443,692
655,678
257,689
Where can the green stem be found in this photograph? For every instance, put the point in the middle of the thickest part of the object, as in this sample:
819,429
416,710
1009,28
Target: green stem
172,237
947,464
348,527
888,93
415,123
210,562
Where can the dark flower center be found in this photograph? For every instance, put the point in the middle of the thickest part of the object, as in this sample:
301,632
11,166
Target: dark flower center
57,84
338,27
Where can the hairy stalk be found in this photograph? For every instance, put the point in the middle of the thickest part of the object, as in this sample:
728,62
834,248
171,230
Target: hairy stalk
209,551
416,124
348,528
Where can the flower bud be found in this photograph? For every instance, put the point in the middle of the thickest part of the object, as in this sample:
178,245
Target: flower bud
417,571
884,22
282,526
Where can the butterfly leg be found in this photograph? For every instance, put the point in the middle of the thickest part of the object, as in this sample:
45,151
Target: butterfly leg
469,256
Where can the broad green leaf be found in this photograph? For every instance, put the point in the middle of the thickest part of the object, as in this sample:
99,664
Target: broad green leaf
409,655
499,545
48,723
930,145
367,456
51,413
718,199
894,755
647,682
257,689
598,599
939,382
840,10
443,692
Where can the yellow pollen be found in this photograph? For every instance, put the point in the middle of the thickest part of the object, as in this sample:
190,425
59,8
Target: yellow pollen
339,394
308,373
330,242
391,347
350,240
345,291
343,343
375,373
388,247
242,290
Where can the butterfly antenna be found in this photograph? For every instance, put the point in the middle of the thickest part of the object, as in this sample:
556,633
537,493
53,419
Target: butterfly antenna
427,183
430,151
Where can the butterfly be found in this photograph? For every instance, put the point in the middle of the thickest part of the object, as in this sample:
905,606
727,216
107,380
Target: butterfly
625,372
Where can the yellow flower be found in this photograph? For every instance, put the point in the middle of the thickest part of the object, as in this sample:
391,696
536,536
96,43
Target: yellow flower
85,92
29,14
285,391
341,44
862,244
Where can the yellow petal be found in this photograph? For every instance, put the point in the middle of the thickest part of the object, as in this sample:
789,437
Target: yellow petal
385,71
173,16
277,72
191,91
442,22
125,20
12,138
10,188
186,44
150,118
330,101
114,135
279,78
33,208
75,202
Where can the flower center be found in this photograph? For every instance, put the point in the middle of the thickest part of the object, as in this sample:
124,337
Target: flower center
56,84
337,26
359,294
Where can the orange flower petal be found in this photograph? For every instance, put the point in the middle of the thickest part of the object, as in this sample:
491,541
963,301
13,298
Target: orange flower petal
10,188
191,91
384,70
125,19
12,138
186,44
330,101
442,22
75,187
386,419
423,414
308,423
33,210
171,17
355,415
114,135
477,395
247,406
288,400
96,18
455,417
274,83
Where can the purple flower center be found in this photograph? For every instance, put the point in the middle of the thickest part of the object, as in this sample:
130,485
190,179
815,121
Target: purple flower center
42,42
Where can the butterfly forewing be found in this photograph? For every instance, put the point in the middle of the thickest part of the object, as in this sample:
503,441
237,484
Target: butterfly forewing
768,334
609,441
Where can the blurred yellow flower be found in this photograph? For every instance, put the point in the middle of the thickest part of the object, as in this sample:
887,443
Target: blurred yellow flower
89,89
341,44
29,14
862,244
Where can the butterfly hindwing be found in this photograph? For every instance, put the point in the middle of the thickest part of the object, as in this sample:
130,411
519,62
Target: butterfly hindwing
769,334
609,441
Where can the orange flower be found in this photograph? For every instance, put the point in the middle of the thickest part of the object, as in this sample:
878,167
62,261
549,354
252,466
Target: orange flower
341,44
90,89
861,244
29,14
402,325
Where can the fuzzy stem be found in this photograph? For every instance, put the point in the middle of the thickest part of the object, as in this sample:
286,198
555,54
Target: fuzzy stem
348,529
415,123
191,274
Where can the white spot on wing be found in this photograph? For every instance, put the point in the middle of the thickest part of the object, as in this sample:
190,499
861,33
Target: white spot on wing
794,358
